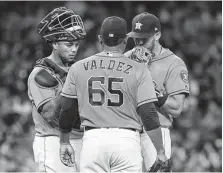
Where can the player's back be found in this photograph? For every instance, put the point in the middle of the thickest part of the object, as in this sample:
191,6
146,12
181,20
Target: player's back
106,85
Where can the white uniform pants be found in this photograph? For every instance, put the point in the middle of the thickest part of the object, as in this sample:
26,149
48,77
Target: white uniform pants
149,151
111,150
46,153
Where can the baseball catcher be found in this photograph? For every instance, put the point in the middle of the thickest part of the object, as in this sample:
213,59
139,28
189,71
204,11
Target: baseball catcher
63,30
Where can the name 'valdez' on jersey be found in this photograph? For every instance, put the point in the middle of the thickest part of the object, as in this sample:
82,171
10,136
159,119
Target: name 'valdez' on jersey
114,86
110,65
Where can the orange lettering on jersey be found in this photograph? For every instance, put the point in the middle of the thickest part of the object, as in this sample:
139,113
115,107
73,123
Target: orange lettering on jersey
111,65
128,68
93,64
86,65
120,65
101,63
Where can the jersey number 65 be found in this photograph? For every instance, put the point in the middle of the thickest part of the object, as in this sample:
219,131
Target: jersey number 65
108,86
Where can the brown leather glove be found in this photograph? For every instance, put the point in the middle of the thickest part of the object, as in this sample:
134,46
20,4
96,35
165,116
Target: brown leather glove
141,54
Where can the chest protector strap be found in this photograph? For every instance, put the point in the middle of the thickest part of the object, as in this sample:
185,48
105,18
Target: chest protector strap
46,62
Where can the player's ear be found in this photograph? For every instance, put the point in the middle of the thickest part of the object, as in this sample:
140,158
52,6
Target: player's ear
157,36
100,39
55,45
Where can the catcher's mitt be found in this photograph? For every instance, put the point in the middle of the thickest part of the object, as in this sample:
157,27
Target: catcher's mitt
141,54
160,166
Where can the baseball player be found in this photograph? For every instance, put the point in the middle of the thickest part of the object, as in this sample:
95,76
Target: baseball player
170,78
63,30
107,90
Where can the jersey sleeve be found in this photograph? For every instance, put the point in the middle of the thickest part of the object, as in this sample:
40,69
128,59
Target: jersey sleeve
128,53
69,88
40,95
177,81
146,92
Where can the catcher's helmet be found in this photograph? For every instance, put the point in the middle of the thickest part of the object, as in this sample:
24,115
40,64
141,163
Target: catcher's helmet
62,24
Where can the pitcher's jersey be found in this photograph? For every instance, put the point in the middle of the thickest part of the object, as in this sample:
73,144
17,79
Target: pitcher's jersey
170,76
109,88
39,96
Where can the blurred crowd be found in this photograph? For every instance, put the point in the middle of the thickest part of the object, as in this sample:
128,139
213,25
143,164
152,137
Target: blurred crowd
192,30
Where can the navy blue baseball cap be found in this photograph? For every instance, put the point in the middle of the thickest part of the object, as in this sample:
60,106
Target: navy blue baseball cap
114,27
144,25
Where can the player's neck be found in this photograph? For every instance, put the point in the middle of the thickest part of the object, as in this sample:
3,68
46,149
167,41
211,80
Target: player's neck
56,59
158,49
115,49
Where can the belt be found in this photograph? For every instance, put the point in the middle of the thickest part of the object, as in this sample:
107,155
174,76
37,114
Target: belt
86,128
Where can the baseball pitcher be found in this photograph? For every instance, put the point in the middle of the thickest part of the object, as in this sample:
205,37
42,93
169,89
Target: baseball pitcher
107,90
170,79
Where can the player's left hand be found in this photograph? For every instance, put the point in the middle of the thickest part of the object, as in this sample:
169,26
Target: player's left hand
67,154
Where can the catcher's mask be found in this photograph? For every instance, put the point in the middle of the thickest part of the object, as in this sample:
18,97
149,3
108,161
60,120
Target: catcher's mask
62,24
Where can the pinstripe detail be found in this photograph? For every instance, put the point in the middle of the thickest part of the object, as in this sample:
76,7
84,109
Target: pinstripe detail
164,141
44,153
147,101
162,57
68,95
44,101
163,136
180,91
49,88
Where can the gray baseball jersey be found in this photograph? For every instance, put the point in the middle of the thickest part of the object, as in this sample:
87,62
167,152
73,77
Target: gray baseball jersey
109,87
40,95
170,76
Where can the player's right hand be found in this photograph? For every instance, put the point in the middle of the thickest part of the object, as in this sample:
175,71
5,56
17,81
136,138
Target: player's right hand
67,154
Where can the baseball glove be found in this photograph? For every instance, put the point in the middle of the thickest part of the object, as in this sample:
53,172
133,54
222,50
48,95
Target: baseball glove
141,54
160,166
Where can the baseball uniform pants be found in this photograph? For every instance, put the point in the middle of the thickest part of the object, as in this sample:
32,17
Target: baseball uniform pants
47,154
149,151
111,150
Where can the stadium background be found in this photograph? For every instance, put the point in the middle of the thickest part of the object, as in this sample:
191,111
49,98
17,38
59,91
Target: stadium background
190,29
